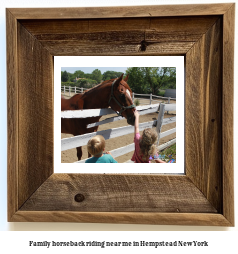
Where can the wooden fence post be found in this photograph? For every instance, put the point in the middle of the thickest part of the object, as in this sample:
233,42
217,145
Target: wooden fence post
160,120
150,98
69,90
168,103
133,96
75,89
64,90
81,89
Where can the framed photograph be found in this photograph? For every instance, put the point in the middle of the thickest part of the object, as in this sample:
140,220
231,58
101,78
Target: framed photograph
118,133
202,34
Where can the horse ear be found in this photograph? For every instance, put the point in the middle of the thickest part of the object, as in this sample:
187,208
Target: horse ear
119,79
126,78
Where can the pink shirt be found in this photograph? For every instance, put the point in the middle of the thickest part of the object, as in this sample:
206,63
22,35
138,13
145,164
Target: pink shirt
137,158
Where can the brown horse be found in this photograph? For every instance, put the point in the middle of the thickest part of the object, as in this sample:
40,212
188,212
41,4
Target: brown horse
115,93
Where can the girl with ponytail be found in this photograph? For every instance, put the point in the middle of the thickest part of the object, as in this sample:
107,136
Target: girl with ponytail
145,145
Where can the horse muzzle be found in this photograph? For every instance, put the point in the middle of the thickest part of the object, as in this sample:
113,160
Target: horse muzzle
131,120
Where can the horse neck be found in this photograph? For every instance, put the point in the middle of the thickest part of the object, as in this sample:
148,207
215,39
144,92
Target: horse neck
97,97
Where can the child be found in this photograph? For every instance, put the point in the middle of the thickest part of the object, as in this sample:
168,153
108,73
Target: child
144,146
96,146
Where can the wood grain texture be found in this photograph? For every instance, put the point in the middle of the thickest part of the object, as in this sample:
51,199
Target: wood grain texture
35,114
227,113
204,196
76,48
56,29
114,193
12,114
119,36
121,12
203,119
197,219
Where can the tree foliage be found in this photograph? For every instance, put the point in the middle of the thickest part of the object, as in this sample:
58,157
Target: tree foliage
64,76
86,83
143,80
151,79
97,75
111,75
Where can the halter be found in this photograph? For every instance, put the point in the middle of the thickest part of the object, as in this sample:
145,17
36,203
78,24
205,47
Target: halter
122,107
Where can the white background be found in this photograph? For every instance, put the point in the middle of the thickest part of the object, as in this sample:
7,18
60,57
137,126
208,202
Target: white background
220,241
119,61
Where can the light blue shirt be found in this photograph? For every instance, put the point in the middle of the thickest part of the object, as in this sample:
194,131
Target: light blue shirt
106,158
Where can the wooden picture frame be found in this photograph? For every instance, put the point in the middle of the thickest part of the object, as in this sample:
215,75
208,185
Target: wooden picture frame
204,34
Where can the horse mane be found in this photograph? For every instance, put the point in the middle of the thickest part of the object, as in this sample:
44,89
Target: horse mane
103,83
75,95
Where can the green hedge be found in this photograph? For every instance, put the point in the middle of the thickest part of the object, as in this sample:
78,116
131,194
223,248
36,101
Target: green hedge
68,84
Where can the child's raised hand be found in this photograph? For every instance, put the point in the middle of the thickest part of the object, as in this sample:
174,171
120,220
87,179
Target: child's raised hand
136,125
136,113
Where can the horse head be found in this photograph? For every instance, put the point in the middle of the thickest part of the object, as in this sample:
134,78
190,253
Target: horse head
121,99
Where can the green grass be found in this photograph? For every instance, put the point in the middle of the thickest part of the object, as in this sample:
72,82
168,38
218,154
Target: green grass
170,153
136,102
161,93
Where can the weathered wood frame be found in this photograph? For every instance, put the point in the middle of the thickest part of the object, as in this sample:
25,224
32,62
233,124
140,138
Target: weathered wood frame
204,34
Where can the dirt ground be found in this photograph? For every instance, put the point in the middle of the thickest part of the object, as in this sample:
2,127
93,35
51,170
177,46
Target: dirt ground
69,156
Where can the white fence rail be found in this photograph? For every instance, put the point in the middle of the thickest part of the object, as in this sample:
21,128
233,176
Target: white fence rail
81,140
74,90
151,98
71,90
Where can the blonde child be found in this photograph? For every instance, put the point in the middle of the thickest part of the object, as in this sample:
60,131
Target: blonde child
145,147
96,147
